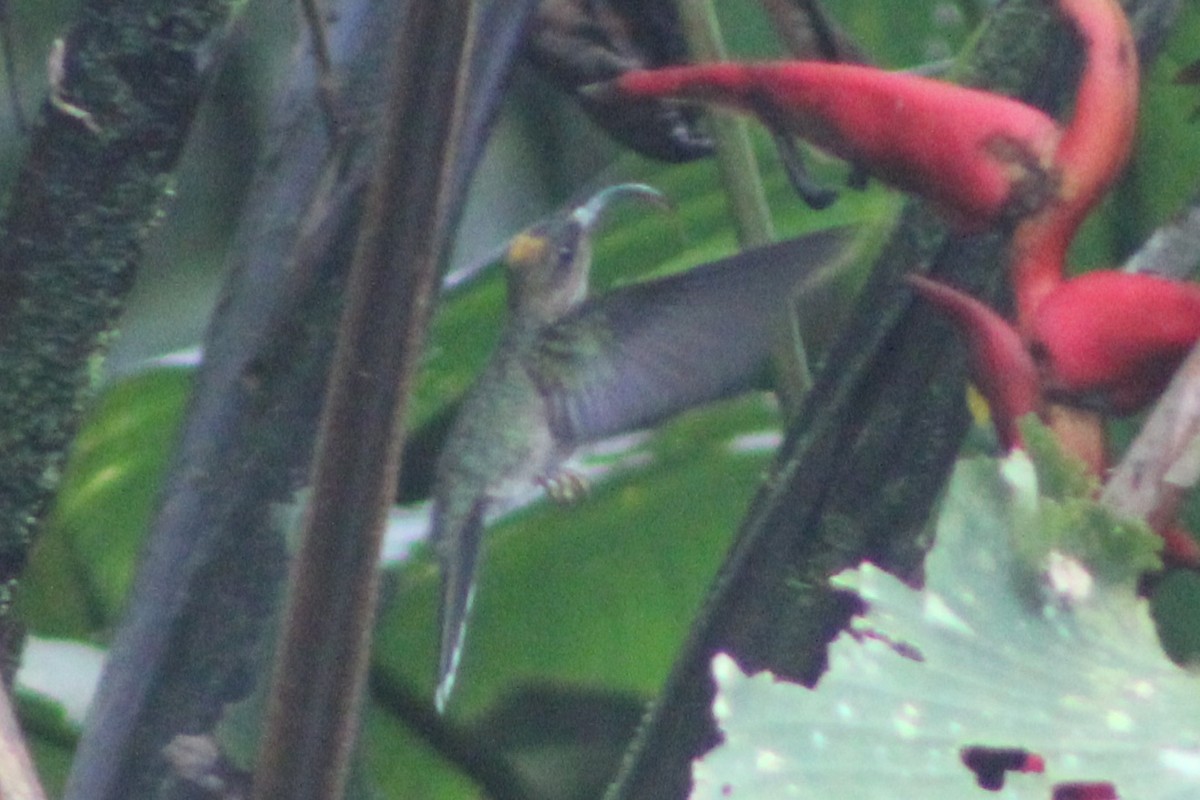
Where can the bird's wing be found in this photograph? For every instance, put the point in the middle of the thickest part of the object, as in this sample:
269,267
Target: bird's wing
639,354
456,539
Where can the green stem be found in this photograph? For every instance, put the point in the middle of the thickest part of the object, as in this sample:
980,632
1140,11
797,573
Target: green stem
735,156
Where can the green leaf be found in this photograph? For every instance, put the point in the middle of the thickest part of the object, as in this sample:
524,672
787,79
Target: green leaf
1066,667
1059,474
84,561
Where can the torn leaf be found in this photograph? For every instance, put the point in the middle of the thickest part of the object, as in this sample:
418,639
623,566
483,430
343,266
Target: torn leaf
1026,672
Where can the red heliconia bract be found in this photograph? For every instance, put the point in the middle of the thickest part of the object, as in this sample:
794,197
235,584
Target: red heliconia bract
973,154
999,364
1116,336
1093,151
1095,145
967,151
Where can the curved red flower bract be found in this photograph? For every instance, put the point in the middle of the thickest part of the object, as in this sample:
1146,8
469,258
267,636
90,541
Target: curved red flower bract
965,150
999,364
977,156
1096,144
1117,334
1093,151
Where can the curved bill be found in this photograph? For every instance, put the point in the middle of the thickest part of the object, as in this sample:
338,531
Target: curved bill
590,212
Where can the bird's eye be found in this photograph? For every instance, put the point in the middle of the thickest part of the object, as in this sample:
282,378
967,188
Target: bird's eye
568,250
566,254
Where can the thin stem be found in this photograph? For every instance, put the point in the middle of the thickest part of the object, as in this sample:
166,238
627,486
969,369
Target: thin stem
807,32
826,36
736,161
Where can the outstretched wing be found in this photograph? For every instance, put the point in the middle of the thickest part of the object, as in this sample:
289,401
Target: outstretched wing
639,354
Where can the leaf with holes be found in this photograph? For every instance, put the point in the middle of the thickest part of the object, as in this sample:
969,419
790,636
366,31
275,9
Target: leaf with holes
1028,667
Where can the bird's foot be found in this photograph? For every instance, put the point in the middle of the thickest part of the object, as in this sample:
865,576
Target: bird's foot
564,486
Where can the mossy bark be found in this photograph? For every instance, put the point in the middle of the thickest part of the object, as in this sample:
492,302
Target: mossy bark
94,182
192,652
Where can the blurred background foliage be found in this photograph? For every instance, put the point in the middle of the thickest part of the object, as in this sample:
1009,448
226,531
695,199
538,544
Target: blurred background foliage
581,609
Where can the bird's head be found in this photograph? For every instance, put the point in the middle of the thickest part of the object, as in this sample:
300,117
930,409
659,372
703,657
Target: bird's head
548,263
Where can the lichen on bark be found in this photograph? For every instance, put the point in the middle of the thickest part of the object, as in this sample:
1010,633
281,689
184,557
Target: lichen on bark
93,183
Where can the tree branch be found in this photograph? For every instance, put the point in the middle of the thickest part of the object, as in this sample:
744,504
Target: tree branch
192,639
82,204
321,664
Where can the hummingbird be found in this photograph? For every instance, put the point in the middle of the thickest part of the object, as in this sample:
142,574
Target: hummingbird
569,369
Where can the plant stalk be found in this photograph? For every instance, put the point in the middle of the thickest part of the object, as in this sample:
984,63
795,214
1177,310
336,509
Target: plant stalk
736,162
